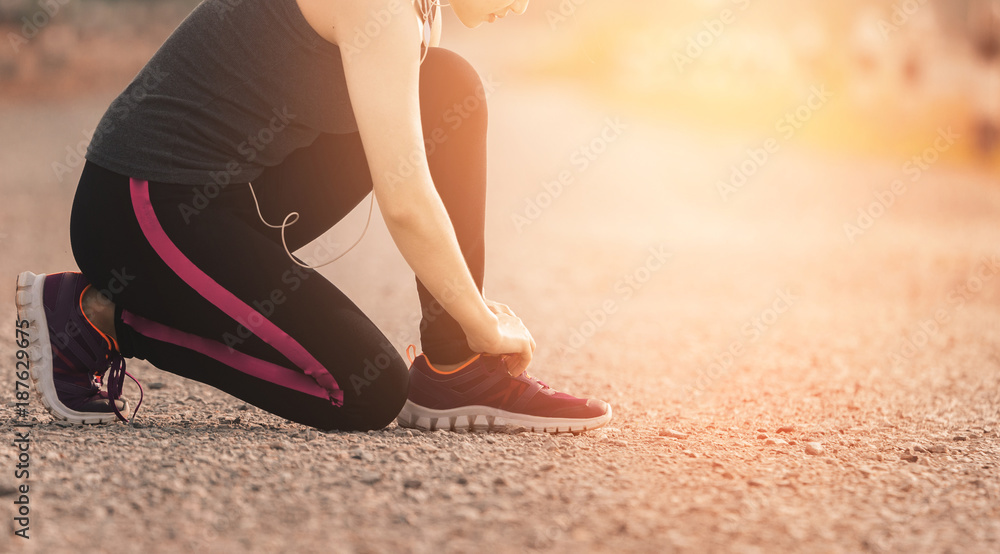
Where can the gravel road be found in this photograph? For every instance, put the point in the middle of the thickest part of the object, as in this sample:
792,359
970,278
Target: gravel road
776,386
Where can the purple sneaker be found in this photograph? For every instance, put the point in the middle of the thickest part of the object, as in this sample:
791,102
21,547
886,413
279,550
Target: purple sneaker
68,355
482,395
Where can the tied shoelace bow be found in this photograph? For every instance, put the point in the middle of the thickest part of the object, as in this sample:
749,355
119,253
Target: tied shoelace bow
116,384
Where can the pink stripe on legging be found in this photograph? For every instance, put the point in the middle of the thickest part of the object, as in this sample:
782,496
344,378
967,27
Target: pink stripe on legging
222,298
261,369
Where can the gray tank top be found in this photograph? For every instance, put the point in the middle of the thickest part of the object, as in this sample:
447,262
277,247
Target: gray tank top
238,86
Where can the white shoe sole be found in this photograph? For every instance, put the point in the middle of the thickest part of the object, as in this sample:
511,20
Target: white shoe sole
484,418
31,309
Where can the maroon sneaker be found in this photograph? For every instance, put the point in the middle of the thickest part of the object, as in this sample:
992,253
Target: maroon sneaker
482,395
68,355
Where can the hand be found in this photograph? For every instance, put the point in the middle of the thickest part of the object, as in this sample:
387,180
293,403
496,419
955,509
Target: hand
499,308
508,337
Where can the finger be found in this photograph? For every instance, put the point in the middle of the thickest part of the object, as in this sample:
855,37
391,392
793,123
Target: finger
499,308
517,368
531,339
516,365
512,362
525,361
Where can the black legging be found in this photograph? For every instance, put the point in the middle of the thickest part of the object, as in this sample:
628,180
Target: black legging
204,290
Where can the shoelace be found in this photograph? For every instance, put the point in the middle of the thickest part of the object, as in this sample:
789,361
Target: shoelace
503,360
116,384
539,381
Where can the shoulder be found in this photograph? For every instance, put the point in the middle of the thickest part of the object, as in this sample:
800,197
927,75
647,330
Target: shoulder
336,20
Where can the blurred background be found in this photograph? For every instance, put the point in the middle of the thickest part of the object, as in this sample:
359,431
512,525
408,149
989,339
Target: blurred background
896,68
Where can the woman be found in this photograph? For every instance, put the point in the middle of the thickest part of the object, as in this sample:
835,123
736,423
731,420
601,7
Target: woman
262,111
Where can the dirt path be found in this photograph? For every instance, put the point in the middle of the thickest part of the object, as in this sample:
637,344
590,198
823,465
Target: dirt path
766,397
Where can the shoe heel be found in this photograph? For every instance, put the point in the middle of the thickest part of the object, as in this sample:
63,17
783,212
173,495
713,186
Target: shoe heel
27,299
24,294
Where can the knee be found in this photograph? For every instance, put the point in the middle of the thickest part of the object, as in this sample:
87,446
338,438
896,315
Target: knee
449,84
445,69
374,400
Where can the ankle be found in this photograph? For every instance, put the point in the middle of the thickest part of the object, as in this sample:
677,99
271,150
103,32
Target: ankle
100,311
450,368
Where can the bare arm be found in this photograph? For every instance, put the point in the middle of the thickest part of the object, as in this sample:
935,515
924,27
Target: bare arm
383,81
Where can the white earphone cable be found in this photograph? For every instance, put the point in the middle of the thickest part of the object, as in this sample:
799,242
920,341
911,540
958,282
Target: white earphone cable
294,216
428,12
